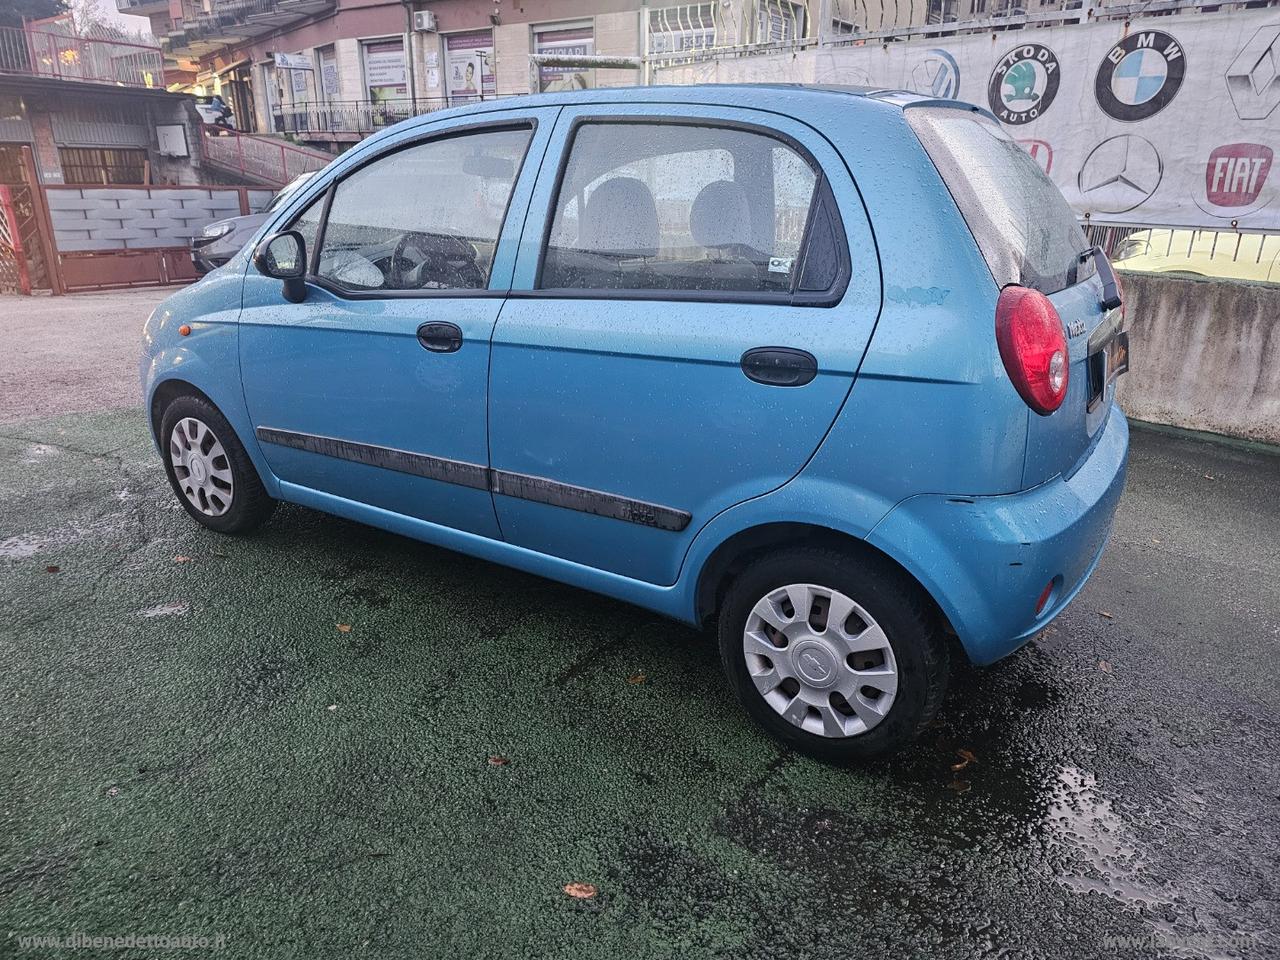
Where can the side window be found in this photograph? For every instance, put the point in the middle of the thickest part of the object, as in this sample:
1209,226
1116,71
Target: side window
646,206
308,223
423,218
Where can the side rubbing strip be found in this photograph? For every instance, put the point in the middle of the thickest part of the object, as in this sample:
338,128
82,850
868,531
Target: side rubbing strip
539,490
402,461
518,485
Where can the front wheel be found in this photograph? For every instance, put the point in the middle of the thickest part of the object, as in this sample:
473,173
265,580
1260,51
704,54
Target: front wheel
209,470
840,657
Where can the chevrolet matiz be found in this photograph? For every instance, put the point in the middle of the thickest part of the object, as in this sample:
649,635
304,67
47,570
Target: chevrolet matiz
831,369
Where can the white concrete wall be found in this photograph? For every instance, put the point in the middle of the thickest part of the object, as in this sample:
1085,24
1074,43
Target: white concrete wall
511,55
346,54
618,34
1205,355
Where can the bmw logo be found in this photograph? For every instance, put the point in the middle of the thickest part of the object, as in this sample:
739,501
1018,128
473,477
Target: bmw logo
1140,75
1023,84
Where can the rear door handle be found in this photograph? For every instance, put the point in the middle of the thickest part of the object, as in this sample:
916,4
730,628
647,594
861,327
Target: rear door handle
440,337
780,366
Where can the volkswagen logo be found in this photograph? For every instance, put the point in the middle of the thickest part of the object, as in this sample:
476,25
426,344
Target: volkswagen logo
1140,75
1253,79
937,74
1119,174
1023,84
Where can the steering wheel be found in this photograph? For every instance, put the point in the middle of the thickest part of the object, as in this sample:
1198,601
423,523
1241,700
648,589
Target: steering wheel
446,262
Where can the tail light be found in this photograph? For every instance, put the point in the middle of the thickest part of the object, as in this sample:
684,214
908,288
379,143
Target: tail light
1033,346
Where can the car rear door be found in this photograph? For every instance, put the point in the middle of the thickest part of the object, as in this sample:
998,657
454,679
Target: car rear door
373,388
694,291
1029,236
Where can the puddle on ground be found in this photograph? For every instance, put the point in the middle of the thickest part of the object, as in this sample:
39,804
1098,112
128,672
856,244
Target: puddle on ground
179,608
38,452
21,547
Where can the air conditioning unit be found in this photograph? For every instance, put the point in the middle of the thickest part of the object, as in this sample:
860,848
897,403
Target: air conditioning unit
424,21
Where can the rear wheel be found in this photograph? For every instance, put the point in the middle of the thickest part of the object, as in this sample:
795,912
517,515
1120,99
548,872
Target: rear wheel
209,470
836,656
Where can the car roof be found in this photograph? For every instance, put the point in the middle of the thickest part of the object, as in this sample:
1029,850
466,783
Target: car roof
726,94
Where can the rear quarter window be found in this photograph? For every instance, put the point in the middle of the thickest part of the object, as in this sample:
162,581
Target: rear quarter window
1026,231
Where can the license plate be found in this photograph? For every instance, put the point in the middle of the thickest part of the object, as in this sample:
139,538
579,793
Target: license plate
1106,364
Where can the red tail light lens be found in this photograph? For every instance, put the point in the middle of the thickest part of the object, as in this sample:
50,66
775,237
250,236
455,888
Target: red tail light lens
1033,346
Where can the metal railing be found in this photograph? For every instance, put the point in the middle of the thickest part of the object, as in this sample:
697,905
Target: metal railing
357,116
37,53
1240,252
263,159
697,31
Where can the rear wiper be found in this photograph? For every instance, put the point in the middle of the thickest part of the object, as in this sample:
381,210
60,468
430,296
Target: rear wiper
1110,288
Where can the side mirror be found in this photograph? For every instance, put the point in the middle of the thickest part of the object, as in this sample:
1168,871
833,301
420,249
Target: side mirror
284,256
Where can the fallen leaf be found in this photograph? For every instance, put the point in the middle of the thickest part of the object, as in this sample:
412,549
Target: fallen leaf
1210,476
181,559
344,628
1104,666
52,569
1103,613
498,761
581,891
968,755
636,679
959,786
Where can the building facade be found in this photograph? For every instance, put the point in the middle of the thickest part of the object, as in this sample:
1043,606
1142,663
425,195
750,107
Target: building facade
91,111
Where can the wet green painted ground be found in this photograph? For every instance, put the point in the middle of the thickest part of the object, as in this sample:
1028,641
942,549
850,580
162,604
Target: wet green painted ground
192,744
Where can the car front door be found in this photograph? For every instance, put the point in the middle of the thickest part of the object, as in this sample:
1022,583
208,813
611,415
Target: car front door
373,388
685,321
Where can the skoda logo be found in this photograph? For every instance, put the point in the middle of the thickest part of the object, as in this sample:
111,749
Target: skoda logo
1140,75
1023,84
1119,174
938,74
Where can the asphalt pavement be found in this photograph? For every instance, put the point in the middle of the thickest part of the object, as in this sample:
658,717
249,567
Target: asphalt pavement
324,740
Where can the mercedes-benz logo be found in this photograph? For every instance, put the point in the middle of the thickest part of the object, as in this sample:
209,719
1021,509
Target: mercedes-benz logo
1253,79
1119,174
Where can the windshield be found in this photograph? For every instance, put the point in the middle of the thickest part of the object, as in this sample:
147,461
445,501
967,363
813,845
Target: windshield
286,192
1026,231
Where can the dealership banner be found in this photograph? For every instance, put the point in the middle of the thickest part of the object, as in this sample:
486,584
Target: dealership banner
1165,120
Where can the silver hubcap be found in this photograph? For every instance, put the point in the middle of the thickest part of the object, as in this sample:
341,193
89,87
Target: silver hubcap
820,660
201,466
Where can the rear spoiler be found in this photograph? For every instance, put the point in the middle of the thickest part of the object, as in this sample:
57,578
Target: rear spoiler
1110,288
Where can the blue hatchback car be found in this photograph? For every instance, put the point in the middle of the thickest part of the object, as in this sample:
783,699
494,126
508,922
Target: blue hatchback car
831,368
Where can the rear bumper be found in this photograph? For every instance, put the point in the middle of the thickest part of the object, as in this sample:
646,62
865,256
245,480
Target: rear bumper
986,560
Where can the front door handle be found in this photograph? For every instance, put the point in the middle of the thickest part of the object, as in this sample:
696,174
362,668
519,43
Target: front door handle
780,366
440,337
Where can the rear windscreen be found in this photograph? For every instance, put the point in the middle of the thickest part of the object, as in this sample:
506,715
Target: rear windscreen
1024,228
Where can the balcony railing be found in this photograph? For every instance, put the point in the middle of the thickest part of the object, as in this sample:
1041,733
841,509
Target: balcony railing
356,116
35,53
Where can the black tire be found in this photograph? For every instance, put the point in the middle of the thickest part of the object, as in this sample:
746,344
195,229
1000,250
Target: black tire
251,505
897,604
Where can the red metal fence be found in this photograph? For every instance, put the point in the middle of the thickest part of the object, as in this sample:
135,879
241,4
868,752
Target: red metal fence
14,276
40,53
264,159
68,238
